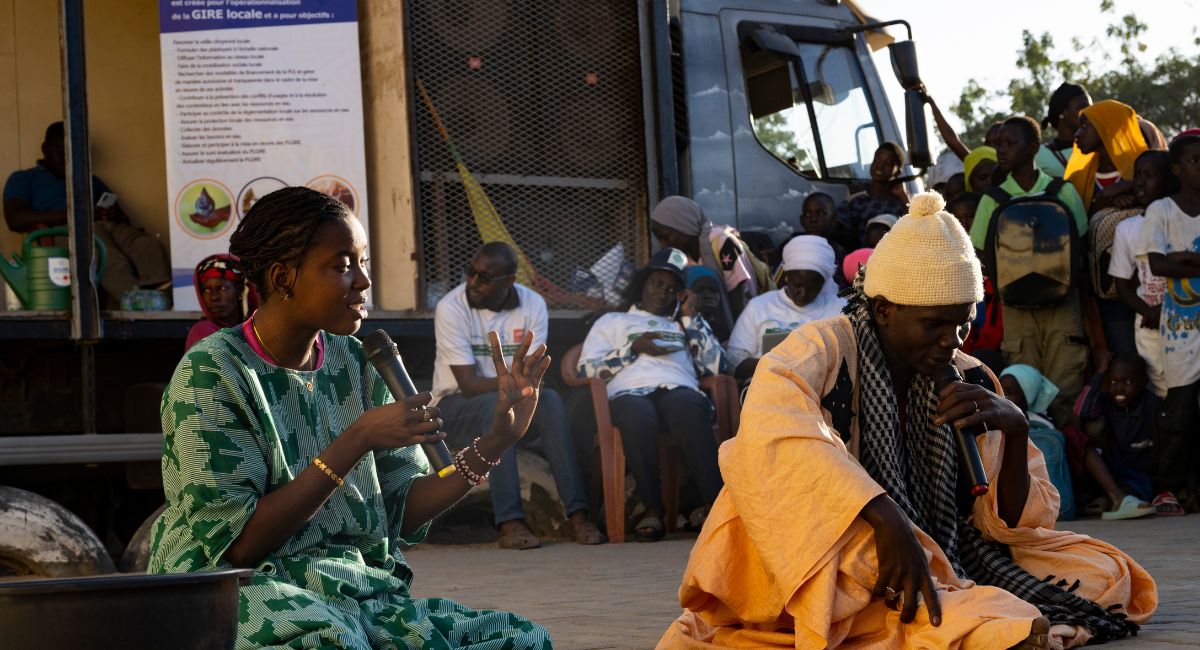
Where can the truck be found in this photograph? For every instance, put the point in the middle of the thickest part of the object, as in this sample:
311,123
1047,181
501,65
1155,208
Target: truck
574,119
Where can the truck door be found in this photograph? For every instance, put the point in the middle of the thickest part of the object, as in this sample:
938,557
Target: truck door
799,126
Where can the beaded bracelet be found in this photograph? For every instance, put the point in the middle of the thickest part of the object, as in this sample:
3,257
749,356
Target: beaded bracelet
328,472
460,463
475,448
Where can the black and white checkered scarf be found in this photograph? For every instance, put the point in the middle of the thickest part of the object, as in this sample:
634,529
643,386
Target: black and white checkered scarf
918,466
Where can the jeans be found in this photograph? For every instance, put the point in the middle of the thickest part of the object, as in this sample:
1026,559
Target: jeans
466,418
687,415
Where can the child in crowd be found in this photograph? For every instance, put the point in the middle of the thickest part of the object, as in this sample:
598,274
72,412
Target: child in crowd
1136,285
1032,392
877,227
819,217
987,330
885,194
1171,242
963,208
955,185
224,296
705,285
1118,411
1049,440
979,168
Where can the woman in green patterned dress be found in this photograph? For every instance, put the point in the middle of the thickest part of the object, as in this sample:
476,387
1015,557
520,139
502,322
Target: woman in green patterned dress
285,452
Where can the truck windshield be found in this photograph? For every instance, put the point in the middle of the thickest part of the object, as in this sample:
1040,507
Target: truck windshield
838,137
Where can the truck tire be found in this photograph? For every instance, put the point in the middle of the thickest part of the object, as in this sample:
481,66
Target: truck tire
136,557
40,538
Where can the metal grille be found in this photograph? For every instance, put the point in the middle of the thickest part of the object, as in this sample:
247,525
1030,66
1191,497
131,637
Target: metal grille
543,102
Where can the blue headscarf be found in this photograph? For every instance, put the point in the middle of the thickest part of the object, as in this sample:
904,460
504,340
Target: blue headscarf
695,272
1039,391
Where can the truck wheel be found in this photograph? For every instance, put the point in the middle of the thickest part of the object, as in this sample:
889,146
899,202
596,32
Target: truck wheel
136,557
40,538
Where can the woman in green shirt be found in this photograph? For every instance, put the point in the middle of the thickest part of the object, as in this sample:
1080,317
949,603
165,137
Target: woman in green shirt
285,452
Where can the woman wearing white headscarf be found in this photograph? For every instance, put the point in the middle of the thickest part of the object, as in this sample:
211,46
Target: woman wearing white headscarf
809,293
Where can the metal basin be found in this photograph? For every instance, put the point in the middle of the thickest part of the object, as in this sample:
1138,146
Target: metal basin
196,611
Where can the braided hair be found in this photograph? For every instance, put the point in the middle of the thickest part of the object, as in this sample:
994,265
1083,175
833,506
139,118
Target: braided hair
280,227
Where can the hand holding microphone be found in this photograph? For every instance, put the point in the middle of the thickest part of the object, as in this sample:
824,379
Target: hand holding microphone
424,421
968,424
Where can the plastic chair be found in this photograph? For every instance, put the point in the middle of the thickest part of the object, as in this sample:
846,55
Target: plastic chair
721,389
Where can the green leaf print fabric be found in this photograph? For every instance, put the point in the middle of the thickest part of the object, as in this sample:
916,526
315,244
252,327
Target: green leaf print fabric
236,428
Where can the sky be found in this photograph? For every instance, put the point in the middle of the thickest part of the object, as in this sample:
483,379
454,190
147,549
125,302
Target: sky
950,52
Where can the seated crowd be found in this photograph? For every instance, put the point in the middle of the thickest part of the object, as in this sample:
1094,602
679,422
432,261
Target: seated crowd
1089,361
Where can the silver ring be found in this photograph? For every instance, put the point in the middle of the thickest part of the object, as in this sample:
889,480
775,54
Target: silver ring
426,416
891,593
976,405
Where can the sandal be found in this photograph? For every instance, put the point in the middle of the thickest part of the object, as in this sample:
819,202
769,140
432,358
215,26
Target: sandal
517,536
1131,507
587,534
649,529
1166,505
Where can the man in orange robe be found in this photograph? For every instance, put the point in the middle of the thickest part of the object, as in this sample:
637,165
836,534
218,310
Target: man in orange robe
845,520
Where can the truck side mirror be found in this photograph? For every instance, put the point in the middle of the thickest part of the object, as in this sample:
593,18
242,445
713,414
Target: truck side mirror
904,64
917,133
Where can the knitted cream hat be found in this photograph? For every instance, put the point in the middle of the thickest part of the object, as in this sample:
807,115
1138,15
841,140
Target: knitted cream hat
926,260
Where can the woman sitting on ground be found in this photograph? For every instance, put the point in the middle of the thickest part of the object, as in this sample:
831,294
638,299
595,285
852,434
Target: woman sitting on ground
285,452
652,357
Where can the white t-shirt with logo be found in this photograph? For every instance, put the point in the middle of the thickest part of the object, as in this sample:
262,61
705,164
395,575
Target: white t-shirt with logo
1125,261
617,330
462,334
1168,229
774,312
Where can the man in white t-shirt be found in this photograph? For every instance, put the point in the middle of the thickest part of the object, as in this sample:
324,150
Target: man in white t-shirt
1141,291
464,388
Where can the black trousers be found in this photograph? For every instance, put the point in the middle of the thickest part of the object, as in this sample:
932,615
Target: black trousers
686,415
1175,440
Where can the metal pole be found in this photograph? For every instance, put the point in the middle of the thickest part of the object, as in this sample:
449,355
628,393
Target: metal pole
85,303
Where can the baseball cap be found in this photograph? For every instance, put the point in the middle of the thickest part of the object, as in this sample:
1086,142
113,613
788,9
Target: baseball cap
670,259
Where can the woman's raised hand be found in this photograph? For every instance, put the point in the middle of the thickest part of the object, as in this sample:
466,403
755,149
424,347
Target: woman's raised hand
517,389
399,424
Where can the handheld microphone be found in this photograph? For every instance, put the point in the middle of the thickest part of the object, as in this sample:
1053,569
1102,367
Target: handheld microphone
382,353
967,451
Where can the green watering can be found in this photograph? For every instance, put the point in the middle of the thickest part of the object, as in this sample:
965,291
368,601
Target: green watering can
41,275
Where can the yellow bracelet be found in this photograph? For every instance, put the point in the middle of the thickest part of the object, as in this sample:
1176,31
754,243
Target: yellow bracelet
328,472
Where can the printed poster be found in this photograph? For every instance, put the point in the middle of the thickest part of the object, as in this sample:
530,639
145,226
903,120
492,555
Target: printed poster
257,95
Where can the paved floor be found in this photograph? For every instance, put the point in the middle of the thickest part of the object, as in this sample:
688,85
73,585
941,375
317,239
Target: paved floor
623,596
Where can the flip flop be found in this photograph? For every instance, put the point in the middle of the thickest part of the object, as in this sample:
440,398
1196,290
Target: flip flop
1131,508
1166,505
649,529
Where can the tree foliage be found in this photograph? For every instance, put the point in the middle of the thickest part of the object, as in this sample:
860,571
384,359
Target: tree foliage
1165,91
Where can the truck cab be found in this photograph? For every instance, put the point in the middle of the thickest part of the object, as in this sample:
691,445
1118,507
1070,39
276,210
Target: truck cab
765,128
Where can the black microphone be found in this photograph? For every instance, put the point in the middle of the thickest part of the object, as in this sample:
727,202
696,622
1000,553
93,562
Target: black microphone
967,451
382,353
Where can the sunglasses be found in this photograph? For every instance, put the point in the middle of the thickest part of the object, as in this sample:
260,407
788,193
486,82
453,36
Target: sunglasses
473,273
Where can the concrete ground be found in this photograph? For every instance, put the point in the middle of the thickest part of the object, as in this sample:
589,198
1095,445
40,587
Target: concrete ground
623,596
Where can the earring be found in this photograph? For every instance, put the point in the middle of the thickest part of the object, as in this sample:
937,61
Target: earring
287,295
